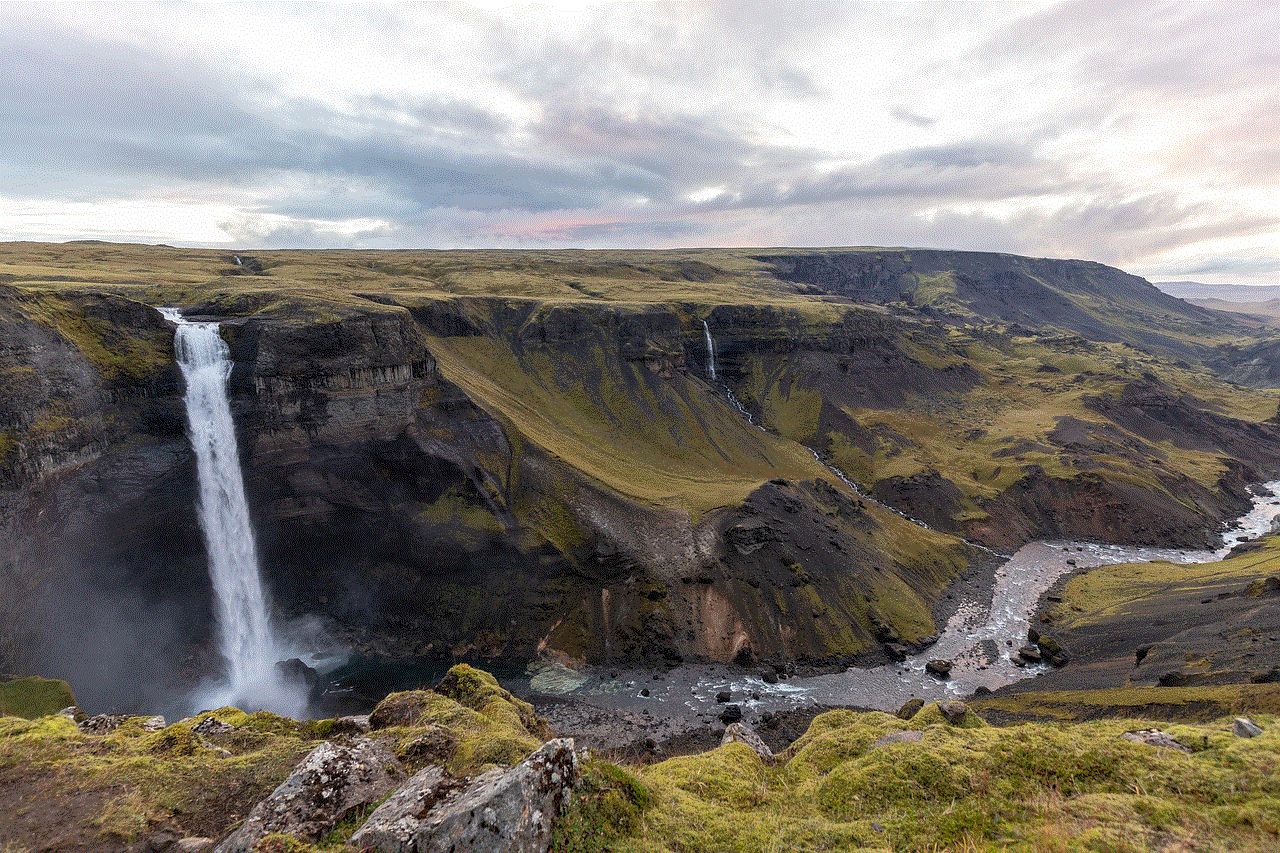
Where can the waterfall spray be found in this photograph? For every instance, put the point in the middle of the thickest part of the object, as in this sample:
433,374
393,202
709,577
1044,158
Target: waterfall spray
711,351
245,634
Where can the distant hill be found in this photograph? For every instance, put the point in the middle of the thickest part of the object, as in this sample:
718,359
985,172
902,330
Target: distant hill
1241,293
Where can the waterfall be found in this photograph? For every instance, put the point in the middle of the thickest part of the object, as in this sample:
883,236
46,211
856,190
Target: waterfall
245,634
711,351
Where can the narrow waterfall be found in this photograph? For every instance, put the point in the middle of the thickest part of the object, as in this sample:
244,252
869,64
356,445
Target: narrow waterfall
245,634
711,351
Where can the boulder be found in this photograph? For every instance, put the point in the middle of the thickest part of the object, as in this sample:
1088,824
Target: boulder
212,726
500,811
769,676
325,786
1245,727
296,673
744,734
1052,651
356,724
103,724
1155,737
938,668
910,708
723,696
896,651
1030,653
154,724
896,737
731,714
953,712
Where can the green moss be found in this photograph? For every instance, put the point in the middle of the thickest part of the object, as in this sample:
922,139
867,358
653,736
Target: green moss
608,805
55,726
931,715
34,697
495,732
480,691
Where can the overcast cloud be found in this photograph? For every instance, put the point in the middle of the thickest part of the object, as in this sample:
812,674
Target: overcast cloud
1139,134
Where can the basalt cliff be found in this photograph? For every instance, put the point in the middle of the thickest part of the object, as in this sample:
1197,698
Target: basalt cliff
498,455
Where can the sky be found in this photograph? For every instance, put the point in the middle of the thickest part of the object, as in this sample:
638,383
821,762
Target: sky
1139,134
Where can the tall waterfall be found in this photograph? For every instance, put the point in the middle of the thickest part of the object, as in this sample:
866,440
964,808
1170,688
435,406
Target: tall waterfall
711,351
245,634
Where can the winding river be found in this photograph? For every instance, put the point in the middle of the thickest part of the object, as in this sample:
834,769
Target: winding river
980,638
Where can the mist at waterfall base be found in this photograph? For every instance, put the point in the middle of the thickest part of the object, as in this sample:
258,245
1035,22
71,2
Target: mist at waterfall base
249,642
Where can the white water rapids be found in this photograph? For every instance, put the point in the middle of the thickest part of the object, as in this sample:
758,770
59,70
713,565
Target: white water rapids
245,634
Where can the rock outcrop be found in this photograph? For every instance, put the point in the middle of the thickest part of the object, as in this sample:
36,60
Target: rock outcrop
327,785
500,811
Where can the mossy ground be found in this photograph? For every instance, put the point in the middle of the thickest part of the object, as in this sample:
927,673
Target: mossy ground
61,789
1030,787
34,697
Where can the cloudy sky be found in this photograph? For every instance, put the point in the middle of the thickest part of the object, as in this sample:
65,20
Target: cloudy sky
1140,134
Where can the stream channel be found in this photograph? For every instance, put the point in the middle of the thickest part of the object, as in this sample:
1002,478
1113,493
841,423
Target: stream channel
981,639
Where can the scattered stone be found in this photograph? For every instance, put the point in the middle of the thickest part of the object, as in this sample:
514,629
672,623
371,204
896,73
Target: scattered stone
160,842
103,724
500,811
896,651
723,696
212,726
744,734
1245,727
938,668
436,744
953,712
1052,651
192,844
326,785
1155,737
1029,653
910,708
356,724
896,737
731,714
398,709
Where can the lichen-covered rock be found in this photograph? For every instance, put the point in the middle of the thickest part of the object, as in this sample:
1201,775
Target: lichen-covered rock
743,733
330,782
909,708
1155,737
103,724
500,811
1245,727
953,712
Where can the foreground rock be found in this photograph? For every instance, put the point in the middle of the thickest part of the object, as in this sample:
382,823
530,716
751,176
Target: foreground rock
744,734
500,811
330,782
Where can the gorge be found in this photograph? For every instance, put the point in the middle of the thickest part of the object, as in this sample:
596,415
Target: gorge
510,456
